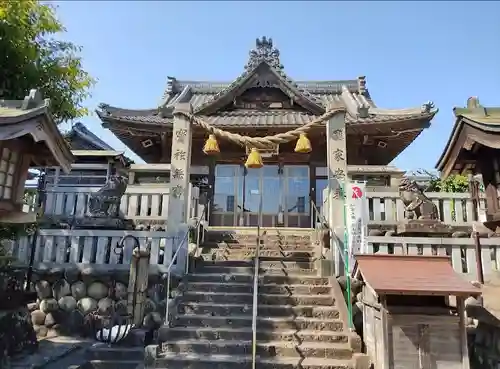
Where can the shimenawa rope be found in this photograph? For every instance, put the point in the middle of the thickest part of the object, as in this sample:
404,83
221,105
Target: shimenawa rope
261,142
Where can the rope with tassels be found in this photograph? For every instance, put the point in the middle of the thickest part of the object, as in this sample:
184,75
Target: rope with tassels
254,159
265,142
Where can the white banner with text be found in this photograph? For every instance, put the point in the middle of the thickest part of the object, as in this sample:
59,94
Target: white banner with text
357,220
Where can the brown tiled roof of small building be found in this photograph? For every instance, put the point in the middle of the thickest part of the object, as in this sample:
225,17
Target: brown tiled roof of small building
413,275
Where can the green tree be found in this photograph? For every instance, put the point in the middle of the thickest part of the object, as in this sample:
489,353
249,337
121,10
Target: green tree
453,183
32,55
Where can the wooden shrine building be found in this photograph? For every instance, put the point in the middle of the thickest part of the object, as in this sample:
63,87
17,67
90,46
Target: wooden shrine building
264,100
474,148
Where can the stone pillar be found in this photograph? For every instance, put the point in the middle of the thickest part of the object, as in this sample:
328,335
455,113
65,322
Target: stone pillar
179,169
138,285
337,178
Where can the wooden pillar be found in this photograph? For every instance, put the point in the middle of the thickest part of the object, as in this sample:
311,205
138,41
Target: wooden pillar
179,169
164,148
211,188
337,178
463,332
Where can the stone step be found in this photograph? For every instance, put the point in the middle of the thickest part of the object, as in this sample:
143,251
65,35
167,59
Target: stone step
193,361
249,256
252,237
247,298
245,321
104,352
263,279
263,288
253,242
112,364
271,246
263,349
250,270
289,254
262,263
292,335
320,312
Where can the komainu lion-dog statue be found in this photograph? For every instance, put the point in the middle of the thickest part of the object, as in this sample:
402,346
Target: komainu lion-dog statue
417,205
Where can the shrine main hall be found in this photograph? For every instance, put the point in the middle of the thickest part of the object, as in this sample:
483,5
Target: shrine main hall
264,100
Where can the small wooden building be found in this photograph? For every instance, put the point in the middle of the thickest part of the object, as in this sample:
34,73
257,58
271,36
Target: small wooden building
28,137
408,318
474,148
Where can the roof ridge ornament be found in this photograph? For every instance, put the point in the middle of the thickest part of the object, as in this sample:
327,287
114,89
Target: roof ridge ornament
427,107
34,100
264,52
473,103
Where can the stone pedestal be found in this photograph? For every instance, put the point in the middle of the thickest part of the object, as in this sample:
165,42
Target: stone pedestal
423,228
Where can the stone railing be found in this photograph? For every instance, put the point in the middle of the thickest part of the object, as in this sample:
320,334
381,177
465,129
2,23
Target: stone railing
77,272
140,203
454,208
461,251
386,208
67,248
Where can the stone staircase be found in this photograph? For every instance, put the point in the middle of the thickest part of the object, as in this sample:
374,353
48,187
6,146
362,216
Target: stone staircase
299,322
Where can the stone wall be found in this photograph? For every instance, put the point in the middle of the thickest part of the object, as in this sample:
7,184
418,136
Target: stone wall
16,333
483,336
66,297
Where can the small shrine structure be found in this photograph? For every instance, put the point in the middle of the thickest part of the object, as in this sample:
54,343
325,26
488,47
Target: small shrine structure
409,320
474,148
28,137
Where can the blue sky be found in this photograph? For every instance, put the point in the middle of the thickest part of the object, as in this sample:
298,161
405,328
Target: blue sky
410,52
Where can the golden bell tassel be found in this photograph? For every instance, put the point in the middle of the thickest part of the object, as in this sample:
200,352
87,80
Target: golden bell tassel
254,159
211,146
303,145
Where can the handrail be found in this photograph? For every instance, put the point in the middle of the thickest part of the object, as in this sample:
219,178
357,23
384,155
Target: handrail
317,215
256,287
174,258
198,224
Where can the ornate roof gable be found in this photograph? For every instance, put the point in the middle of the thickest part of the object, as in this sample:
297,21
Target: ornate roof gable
263,69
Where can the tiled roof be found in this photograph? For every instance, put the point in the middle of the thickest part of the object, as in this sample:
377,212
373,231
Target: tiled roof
44,129
89,139
209,98
266,118
413,275
476,116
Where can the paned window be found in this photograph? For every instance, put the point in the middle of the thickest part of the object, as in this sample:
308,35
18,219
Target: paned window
8,162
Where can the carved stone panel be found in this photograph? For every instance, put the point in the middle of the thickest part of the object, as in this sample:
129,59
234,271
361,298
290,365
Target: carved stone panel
179,169
337,180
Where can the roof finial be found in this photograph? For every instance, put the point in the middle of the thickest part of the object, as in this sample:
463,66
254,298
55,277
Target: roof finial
473,102
264,52
361,85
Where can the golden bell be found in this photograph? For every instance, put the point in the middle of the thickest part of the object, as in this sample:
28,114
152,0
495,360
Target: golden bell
303,145
211,146
254,160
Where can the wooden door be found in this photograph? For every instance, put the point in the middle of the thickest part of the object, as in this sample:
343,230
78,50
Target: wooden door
406,347
445,347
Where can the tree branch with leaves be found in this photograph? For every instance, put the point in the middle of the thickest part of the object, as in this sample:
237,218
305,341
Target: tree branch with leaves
33,55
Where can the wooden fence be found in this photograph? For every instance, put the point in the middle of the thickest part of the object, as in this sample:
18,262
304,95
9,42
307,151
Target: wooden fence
59,247
461,250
